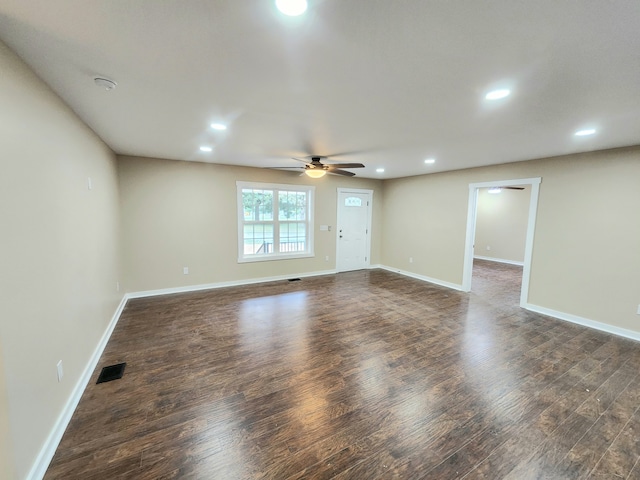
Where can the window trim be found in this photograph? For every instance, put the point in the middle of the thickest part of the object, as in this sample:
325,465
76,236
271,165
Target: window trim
276,187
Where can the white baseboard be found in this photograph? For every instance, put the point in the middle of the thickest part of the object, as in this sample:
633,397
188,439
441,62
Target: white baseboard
499,260
45,456
424,278
603,327
233,283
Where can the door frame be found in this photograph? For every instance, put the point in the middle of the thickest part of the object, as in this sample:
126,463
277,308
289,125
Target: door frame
531,226
359,191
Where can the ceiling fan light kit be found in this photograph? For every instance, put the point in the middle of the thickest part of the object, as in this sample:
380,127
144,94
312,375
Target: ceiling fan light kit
313,173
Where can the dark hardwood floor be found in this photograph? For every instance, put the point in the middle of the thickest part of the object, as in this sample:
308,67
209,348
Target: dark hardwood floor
359,375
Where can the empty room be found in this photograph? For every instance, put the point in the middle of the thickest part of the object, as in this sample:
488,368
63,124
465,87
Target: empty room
287,239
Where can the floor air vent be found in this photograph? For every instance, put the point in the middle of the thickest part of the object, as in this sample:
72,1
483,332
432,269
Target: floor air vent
294,279
112,372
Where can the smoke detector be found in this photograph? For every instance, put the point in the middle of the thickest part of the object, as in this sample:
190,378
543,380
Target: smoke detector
105,83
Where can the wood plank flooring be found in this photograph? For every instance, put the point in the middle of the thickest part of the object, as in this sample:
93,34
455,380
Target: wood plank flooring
360,375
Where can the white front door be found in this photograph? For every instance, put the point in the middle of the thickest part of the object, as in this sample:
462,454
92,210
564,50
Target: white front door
354,229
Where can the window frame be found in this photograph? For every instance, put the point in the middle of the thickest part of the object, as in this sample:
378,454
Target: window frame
276,188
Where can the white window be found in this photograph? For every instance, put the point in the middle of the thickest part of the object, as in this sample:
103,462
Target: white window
274,221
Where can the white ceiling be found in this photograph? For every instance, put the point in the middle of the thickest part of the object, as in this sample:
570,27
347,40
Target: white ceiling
396,81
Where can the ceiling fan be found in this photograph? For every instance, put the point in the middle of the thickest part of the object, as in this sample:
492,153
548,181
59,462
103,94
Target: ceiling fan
316,169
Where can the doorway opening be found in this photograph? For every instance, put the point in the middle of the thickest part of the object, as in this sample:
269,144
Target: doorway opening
470,242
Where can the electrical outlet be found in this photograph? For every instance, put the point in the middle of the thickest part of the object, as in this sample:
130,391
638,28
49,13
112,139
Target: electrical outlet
638,309
488,247
89,183
410,259
185,270
117,286
60,371
326,258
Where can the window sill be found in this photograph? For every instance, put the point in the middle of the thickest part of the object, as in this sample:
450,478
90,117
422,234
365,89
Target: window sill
269,258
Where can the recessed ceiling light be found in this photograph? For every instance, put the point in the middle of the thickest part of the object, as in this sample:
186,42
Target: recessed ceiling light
498,94
430,161
380,170
585,132
495,190
293,8
218,126
206,149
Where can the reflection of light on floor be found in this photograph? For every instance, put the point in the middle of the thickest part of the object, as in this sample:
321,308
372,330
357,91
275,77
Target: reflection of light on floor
373,379
310,410
479,332
478,347
274,325
220,447
483,360
275,311
412,410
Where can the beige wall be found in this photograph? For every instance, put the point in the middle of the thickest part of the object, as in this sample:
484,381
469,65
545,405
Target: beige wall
59,255
501,223
6,449
183,214
423,222
585,255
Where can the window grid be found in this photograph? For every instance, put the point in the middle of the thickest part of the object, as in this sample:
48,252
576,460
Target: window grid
274,221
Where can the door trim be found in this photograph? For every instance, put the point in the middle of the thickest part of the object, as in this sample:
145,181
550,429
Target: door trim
531,226
369,221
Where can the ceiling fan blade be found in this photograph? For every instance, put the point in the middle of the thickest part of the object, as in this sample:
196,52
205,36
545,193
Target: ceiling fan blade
315,162
353,152
344,165
287,168
299,160
514,188
337,171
